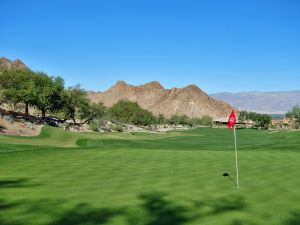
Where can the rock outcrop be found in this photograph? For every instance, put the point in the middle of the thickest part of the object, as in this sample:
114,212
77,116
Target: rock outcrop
190,100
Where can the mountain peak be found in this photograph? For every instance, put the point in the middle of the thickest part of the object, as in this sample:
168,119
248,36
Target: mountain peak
192,87
120,83
154,84
5,64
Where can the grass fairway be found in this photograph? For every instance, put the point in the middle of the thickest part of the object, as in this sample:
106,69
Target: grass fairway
65,178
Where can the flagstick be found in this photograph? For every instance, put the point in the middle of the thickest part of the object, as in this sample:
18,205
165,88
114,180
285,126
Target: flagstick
236,160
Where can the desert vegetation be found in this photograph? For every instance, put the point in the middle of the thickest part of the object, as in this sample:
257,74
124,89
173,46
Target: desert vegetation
261,121
294,115
48,95
26,89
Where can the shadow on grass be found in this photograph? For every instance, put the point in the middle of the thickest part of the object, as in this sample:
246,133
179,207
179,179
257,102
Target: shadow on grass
224,204
4,205
83,214
155,208
294,219
16,183
7,205
162,211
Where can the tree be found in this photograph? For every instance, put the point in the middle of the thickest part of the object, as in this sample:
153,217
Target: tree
49,93
130,112
206,120
1,96
161,119
243,116
182,120
18,87
263,120
174,120
294,114
75,100
143,117
91,111
123,111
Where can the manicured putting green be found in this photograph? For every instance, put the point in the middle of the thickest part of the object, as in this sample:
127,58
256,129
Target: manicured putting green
65,178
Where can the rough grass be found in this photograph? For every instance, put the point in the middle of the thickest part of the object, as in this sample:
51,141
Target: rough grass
65,178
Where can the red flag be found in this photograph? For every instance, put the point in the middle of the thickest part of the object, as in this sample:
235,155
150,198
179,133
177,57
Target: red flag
231,120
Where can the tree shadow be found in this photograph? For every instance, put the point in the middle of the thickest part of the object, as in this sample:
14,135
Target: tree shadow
221,205
4,205
155,208
5,222
83,214
224,204
162,211
7,205
294,219
16,183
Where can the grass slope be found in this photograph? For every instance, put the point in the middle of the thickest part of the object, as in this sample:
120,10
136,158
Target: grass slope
66,178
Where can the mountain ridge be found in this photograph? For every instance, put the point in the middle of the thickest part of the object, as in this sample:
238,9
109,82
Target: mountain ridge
274,102
5,64
189,100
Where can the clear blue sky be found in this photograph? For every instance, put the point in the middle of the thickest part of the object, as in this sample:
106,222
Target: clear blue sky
242,45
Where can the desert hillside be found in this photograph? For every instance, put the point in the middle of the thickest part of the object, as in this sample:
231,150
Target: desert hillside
190,100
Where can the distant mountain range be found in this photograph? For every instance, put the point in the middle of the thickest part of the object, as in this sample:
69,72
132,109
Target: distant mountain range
190,100
262,102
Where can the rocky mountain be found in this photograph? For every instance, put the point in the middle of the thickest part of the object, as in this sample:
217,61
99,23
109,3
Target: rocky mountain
8,64
262,102
190,100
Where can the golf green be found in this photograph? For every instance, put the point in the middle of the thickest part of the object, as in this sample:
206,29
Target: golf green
68,178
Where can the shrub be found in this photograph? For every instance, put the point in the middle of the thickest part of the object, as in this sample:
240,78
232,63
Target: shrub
160,119
174,120
130,112
94,126
117,128
206,120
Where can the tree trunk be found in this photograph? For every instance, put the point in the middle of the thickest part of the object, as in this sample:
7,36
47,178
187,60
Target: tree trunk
74,120
26,109
43,113
87,120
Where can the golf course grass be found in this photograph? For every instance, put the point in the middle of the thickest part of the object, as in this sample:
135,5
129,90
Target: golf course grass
69,178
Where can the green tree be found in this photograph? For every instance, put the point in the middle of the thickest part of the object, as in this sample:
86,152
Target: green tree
206,120
243,116
49,93
1,96
130,112
18,87
184,120
91,111
75,100
174,120
263,120
123,111
143,117
161,119
260,120
294,114
196,121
